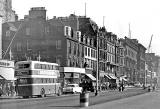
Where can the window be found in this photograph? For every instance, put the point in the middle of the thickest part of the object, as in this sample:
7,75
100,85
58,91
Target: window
58,60
67,31
78,34
8,33
75,49
37,66
82,51
28,31
47,29
28,45
81,38
86,40
58,44
91,52
69,47
19,46
88,51
85,51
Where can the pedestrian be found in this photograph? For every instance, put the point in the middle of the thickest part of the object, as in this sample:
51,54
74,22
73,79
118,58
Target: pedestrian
11,89
120,87
1,91
7,90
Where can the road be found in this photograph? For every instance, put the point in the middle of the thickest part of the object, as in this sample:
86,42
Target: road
145,101
64,102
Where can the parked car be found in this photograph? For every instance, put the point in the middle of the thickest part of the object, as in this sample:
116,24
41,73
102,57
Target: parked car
138,84
72,88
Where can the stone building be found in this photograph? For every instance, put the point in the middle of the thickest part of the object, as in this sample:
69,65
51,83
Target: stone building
6,11
141,60
130,61
57,40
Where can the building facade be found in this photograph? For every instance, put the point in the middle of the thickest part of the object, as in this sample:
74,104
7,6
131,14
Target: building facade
130,61
141,63
58,40
6,11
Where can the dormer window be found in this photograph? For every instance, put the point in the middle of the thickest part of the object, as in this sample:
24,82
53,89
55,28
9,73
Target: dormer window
67,31
81,38
88,41
78,34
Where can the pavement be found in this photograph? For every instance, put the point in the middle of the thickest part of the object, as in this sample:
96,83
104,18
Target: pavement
104,96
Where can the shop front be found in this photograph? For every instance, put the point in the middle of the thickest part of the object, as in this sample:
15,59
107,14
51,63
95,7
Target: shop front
71,75
7,79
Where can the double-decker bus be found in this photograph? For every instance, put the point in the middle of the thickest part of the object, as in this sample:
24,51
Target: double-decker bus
35,78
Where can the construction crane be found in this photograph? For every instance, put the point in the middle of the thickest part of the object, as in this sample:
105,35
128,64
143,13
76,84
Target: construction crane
150,60
149,46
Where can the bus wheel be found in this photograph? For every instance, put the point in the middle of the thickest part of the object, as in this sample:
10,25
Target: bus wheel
25,96
42,93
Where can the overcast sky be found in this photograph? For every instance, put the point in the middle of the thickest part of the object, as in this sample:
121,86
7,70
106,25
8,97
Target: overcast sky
143,15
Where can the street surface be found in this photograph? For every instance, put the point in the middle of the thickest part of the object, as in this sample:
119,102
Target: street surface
149,100
65,101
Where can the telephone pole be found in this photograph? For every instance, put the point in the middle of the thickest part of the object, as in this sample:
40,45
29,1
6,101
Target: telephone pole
97,65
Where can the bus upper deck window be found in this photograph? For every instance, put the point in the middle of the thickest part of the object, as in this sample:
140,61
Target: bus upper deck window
26,65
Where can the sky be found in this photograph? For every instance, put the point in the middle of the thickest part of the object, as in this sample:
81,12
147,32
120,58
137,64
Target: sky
116,15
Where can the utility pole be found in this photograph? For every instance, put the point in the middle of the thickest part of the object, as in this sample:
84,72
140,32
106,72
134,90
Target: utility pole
97,65
103,20
85,10
0,37
129,33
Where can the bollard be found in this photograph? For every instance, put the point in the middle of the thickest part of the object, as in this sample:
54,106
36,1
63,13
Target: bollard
84,99
149,89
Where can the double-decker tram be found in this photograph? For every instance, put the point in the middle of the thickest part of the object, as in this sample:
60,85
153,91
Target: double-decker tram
35,78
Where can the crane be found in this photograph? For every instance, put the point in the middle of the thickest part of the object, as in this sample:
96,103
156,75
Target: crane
149,46
150,60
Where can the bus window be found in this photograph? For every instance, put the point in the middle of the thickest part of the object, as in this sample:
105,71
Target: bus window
49,67
57,67
42,80
22,66
26,65
43,66
37,66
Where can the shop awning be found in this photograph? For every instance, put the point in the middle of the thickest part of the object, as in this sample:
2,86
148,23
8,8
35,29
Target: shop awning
124,79
1,77
108,76
91,77
112,77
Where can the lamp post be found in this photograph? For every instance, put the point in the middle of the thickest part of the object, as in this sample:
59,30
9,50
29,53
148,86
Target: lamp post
97,65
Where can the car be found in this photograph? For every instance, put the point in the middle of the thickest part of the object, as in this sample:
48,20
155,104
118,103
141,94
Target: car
138,84
72,88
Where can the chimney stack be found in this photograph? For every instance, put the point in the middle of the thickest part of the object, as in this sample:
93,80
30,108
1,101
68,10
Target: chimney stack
37,12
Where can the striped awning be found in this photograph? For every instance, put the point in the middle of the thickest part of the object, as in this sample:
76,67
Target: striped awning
112,77
107,76
91,77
